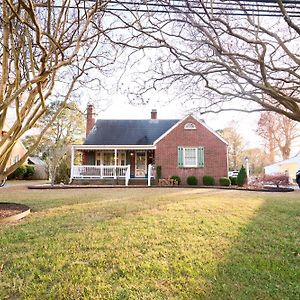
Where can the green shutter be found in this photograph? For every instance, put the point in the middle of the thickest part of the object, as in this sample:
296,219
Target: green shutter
201,157
180,156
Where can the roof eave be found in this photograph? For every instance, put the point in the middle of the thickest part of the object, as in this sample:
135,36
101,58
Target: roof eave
110,147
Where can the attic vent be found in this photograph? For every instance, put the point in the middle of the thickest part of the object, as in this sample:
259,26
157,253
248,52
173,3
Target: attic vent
190,126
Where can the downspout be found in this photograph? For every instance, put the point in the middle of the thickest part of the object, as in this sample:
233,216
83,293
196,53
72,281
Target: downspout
115,169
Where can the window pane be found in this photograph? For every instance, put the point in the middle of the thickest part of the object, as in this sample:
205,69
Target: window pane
121,158
190,157
108,158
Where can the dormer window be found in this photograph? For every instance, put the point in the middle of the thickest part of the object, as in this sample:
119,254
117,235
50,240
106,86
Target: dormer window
190,126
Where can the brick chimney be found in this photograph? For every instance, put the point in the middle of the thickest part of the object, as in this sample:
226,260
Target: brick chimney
90,121
153,114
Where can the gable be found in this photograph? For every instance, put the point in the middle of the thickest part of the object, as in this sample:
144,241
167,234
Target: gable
190,123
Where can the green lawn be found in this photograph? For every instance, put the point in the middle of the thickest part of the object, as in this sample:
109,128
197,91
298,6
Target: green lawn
151,244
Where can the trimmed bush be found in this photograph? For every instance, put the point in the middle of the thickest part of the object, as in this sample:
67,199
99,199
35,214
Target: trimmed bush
276,179
208,180
192,180
233,180
242,177
177,178
29,172
18,173
224,181
158,172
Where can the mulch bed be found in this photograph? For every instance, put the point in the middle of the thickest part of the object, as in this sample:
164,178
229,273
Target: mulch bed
91,186
9,210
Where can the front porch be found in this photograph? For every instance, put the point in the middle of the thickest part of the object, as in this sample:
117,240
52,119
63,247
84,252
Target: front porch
106,162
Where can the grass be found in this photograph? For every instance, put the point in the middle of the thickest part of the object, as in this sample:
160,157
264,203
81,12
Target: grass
151,244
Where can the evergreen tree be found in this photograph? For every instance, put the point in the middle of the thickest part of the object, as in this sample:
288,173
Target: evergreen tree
242,177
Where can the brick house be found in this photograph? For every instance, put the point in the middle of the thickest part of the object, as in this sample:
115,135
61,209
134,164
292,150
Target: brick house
132,149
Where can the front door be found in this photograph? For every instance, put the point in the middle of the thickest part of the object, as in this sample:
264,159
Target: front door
140,164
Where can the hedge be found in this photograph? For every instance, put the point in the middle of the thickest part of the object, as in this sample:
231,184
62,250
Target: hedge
177,178
208,180
224,181
192,180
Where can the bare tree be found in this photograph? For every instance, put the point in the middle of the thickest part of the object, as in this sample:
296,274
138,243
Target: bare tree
236,146
257,158
216,59
68,128
226,55
277,132
48,50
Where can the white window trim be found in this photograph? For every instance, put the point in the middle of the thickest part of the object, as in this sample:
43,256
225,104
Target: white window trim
100,156
190,126
145,164
119,157
16,158
196,162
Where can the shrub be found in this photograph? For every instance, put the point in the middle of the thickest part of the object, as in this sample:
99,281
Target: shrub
276,179
158,172
224,181
29,171
208,180
233,180
63,173
192,180
242,177
18,173
256,182
177,178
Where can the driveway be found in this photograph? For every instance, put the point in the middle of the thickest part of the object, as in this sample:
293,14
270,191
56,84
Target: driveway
16,183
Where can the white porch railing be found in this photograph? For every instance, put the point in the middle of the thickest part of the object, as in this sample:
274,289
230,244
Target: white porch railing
100,172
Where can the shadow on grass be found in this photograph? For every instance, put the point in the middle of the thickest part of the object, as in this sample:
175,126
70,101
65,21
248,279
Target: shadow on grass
265,261
65,212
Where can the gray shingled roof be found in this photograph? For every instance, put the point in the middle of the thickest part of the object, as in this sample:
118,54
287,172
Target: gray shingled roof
128,132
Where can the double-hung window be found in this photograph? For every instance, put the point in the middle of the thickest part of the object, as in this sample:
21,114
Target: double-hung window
191,157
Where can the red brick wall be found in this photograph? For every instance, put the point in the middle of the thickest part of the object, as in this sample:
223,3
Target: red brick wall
215,152
90,121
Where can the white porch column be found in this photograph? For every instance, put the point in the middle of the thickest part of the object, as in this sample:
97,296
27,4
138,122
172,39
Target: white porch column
149,174
115,169
247,168
72,162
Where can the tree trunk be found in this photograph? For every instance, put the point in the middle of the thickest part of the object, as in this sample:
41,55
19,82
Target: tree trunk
285,152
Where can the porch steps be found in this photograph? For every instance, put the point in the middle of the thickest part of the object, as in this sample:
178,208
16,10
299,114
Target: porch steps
140,181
